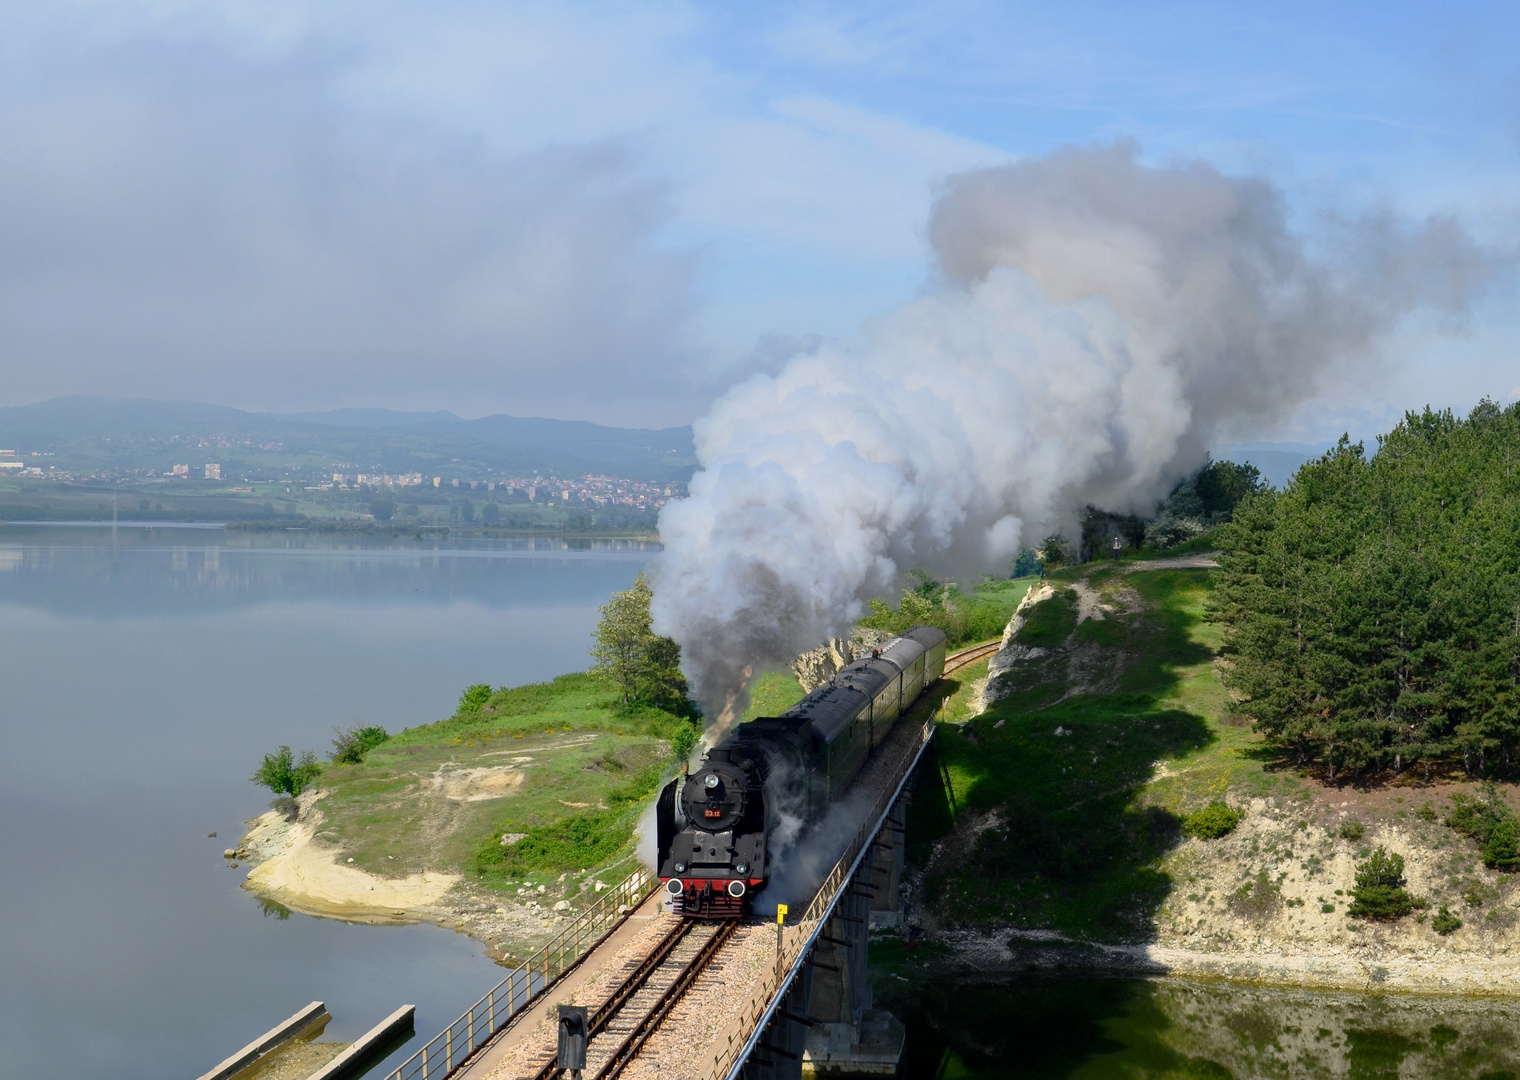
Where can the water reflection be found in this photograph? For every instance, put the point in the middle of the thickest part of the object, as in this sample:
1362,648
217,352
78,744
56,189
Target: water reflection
134,571
1087,1029
143,673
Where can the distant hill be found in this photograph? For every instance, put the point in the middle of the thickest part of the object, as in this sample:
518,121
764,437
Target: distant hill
108,434
1277,461
375,419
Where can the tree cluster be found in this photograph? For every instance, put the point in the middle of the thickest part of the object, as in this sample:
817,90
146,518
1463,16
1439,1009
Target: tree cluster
645,666
1372,609
1200,502
285,774
929,602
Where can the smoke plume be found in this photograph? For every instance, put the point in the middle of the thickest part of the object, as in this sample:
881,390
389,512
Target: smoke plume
1096,324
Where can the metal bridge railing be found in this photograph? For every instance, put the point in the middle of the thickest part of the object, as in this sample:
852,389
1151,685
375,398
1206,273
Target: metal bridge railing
797,938
527,983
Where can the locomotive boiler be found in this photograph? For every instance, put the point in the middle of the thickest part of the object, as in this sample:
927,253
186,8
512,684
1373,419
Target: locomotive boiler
721,828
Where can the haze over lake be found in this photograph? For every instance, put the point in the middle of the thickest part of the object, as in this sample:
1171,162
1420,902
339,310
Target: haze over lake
143,673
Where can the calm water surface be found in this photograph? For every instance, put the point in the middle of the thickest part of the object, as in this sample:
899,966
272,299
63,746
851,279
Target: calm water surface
143,672
1187,1029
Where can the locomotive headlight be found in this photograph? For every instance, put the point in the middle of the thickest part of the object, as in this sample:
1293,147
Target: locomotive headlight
680,868
742,868
711,781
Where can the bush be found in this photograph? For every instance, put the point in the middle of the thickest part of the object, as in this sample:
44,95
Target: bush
1445,922
282,774
353,743
581,840
1257,899
1212,822
1351,830
383,508
1380,892
1491,823
474,697
1502,849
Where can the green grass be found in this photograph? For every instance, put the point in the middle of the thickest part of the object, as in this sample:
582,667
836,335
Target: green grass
772,694
1049,624
1076,827
559,761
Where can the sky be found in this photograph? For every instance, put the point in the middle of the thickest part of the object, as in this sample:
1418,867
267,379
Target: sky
615,211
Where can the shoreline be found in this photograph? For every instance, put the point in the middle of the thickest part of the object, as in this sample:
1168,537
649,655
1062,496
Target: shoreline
1368,969
293,868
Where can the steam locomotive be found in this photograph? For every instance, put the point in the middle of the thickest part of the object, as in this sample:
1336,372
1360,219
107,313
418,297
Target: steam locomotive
720,830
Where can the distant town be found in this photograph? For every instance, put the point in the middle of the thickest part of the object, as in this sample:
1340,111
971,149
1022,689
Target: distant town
590,490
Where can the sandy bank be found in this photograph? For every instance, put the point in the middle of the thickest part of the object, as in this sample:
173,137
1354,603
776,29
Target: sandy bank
305,875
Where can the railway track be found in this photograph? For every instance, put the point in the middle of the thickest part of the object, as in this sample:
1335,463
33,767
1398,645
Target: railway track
620,1026
956,661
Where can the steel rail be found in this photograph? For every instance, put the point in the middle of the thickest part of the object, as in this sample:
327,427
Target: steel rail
630,1046
607,1010
730,1061
956,661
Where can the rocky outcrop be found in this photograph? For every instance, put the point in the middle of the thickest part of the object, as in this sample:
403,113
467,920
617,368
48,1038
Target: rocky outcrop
816,666
1011,654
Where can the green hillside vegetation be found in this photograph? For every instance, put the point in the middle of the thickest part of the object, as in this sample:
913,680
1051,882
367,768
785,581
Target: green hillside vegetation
1051,810
1372,609
979,615
548,760
521,783
772,694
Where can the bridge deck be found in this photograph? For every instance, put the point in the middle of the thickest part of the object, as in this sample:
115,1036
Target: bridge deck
534,1028
732,997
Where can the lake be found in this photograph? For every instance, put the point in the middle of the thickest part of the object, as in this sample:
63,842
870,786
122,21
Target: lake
1044,1028
144,671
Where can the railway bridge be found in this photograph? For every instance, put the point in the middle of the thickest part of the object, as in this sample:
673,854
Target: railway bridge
762,998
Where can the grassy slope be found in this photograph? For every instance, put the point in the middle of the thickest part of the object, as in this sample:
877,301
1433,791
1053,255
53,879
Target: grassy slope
564,765
553,751
772,694
1071,832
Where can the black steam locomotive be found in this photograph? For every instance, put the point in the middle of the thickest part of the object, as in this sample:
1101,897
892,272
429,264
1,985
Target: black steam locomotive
775,776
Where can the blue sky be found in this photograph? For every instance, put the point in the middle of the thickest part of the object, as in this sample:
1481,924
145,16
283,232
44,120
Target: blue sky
612,211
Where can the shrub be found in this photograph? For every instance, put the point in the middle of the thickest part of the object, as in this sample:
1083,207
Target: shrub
1212,822
1426,812
587,839
580,840
1501,850
353,743
282,774
1380,892
474,697
1258,899
1351,830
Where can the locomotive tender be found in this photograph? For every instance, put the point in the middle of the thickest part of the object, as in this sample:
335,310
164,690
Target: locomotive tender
721,829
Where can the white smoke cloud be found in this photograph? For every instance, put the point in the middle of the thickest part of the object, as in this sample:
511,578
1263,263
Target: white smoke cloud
1098,324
